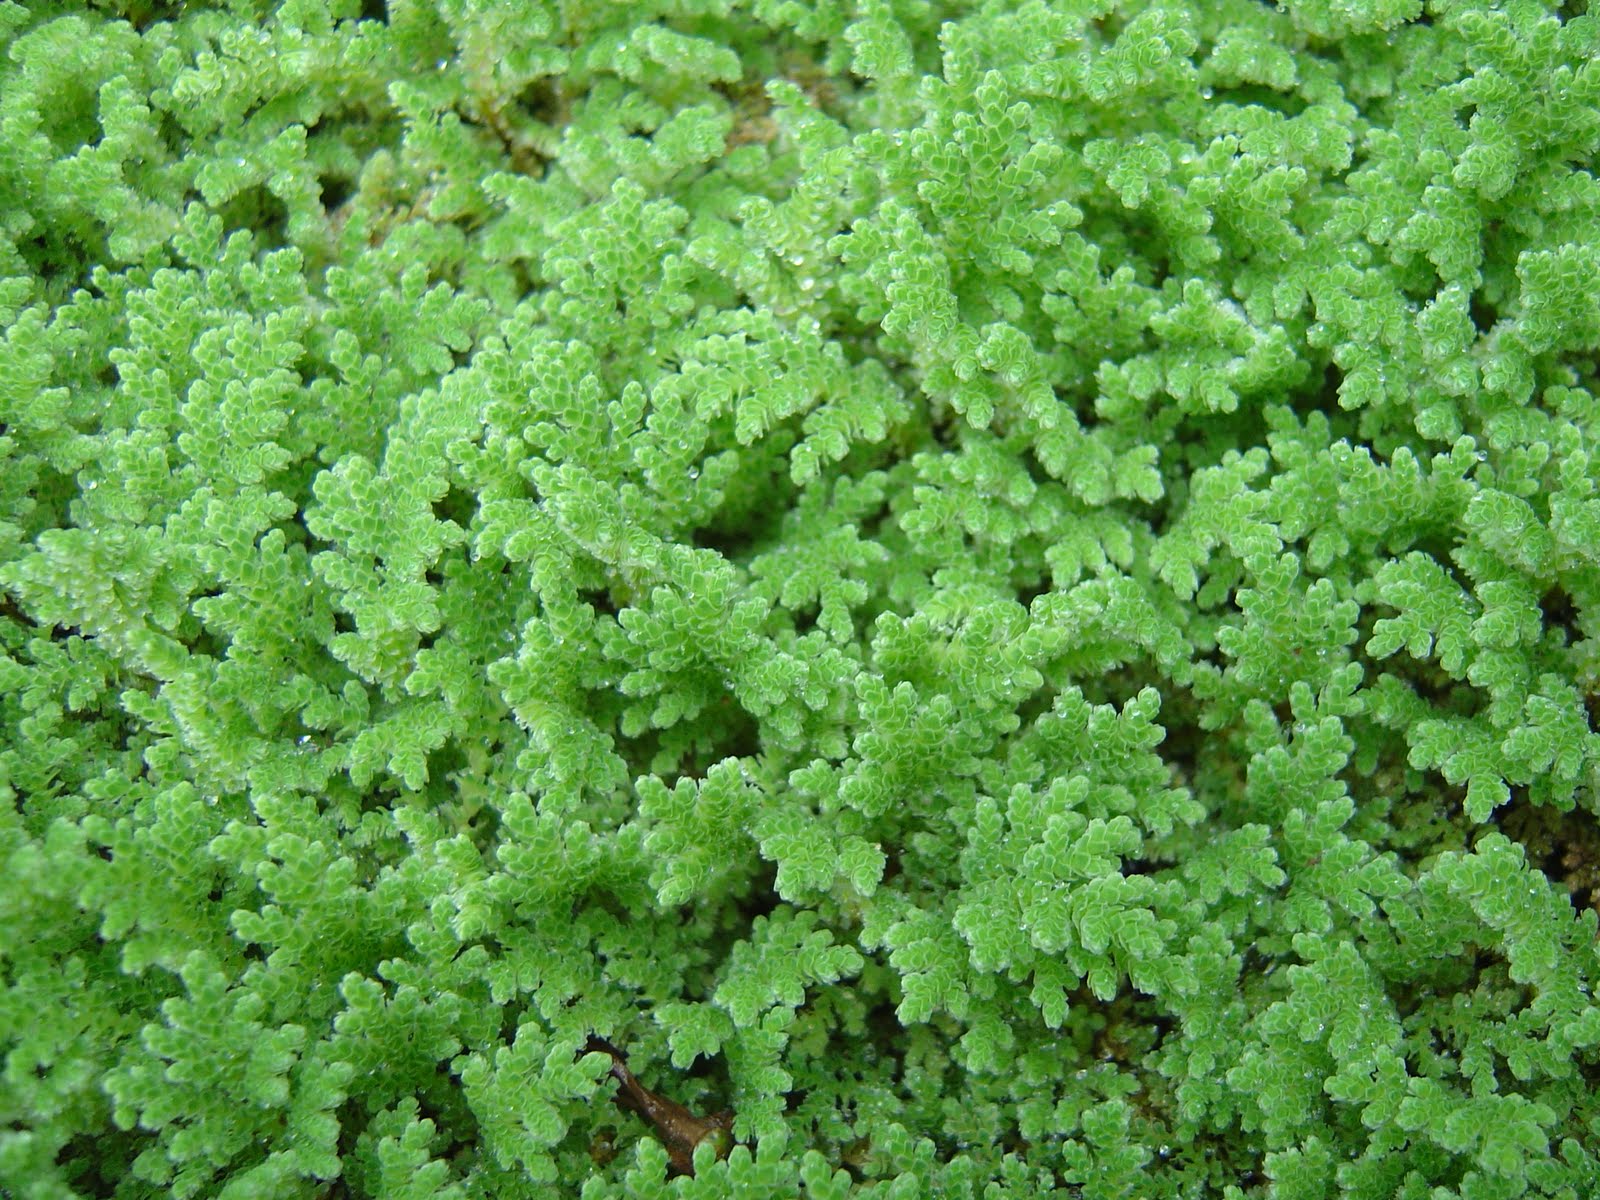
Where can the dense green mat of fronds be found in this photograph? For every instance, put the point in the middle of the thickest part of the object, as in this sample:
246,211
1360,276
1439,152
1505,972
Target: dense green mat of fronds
1010,591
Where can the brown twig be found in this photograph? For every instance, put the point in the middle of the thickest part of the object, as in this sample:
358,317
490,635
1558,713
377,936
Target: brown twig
679,1129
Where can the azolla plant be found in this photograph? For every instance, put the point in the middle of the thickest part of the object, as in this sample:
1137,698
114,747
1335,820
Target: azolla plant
1006,594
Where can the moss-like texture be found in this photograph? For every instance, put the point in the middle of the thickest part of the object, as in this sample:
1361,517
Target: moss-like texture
1008,591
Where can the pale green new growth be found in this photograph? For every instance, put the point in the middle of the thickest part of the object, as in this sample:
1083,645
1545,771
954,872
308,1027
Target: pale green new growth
1008,593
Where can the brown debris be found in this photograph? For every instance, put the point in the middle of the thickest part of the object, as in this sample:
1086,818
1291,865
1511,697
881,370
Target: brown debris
679,1130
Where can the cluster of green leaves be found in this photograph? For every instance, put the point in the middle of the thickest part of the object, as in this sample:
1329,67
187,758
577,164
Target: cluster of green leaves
1009,591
